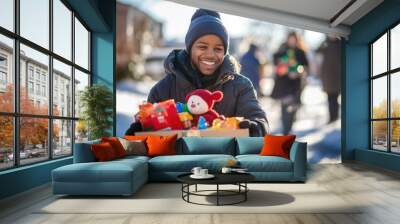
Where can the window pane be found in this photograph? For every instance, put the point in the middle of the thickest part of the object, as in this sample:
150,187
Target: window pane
379,97
62,138
395,47
6,142
7,14
81,81
81,131
395,94
6,74
62,29
62,89
379,55
35,21
34,80
379,135
395,136
81,45
33,139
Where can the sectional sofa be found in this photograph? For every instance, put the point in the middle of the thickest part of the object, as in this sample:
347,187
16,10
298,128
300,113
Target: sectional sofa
125,176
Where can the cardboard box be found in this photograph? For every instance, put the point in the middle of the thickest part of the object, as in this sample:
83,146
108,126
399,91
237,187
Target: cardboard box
200,133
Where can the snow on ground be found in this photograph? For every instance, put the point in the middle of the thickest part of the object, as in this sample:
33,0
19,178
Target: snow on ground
323,140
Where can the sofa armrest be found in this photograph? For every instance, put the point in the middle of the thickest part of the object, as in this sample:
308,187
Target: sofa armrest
298,155
83,152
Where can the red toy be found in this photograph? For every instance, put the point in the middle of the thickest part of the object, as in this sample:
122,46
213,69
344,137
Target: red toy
200,102
162,115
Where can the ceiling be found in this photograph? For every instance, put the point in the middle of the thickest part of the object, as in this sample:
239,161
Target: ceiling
326,16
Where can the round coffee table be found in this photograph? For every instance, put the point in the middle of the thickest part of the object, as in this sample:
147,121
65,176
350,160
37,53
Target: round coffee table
238,179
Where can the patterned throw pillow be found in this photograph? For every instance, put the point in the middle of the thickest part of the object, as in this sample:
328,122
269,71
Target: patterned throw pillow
134,147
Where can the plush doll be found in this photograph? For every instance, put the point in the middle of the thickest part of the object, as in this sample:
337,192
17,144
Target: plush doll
200,102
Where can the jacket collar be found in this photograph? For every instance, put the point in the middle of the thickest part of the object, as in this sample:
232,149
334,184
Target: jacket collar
178,64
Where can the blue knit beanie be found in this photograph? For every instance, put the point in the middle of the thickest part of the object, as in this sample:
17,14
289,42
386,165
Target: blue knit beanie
205,22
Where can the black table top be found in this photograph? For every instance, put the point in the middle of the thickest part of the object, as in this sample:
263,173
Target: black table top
220,178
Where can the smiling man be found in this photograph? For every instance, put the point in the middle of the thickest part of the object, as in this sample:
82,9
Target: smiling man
206,64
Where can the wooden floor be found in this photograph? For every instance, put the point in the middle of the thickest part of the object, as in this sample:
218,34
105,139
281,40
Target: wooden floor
378,189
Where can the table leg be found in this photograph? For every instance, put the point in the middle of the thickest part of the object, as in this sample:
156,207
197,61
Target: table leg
196,188
245,193
217,194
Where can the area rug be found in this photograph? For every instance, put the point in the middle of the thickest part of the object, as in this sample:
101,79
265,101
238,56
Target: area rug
166,198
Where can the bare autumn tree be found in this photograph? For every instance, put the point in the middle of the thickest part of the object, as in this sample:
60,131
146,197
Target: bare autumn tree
33,130
380,128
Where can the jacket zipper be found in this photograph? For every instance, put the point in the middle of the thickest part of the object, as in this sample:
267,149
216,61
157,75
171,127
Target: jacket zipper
223,80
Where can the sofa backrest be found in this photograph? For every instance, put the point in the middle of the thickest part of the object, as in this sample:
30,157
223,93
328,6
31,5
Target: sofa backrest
83,152
249,145
206,145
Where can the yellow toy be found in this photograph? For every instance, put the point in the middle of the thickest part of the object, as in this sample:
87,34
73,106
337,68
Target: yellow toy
228,123
186,119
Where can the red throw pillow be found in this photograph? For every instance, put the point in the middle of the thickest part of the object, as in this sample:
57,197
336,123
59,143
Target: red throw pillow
103,151
277,145
161,145
116,145
135,137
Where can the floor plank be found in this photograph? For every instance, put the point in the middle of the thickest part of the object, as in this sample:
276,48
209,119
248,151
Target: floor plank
376,190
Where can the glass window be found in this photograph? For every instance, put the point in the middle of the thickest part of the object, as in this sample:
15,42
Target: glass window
30,72
62,29
81,131
40,62
385,125
33,140
34,80
7,14
62,137
379,56
395,136
6,142
81,81
395,95
6,73
35,21
379,135
30,87
379,98
62,72
395,47
81,45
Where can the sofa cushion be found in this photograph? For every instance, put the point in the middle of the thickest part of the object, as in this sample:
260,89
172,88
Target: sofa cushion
249,145
277,145
116,145
185,163
161,145
103,152
208,145
134,147
257,163
111,171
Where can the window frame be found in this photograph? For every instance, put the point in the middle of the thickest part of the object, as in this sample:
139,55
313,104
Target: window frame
388,74
16,114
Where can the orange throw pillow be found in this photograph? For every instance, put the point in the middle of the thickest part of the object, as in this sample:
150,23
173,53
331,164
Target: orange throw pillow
161,145
116,145
135,137
277,145
103,152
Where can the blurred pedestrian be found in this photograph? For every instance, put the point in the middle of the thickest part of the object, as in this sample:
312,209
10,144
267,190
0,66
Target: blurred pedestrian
251,67
291,67
330,73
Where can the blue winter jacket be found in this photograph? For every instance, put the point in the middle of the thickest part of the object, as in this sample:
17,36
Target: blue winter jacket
239,95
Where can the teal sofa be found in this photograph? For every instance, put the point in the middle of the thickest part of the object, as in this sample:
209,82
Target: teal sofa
125,176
